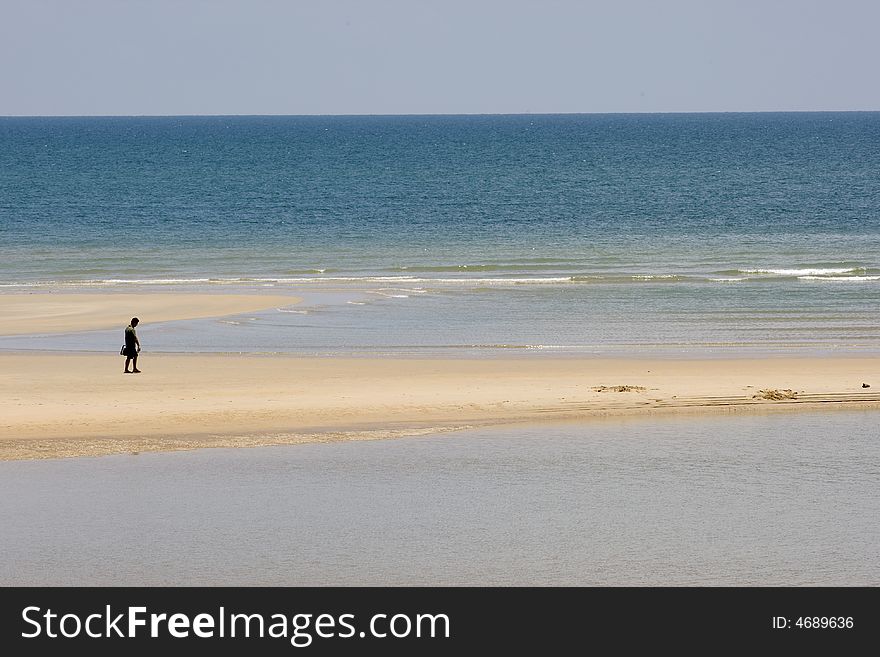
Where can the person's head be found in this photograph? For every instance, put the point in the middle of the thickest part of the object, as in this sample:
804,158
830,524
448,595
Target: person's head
135,321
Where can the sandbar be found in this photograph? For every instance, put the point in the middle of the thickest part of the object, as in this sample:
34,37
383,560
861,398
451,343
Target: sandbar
46,312
83,405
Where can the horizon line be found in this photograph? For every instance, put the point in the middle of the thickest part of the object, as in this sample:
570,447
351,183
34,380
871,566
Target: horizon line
437,114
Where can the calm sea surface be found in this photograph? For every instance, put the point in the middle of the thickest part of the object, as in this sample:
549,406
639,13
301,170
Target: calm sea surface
571,233
786,499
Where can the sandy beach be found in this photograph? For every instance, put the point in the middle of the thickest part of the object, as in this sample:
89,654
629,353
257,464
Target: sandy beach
81,404
22,314
74,405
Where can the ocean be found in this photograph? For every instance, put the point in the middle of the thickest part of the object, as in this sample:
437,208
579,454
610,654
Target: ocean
703,234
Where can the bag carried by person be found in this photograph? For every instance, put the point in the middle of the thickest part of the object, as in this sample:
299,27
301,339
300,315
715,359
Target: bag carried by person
122,351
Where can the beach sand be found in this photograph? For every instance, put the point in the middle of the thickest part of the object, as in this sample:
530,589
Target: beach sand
22,314
77,404
66,404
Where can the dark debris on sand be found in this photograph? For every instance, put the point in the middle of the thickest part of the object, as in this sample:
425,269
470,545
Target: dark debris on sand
775,395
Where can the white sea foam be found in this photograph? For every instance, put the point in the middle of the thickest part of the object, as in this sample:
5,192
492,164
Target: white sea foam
388,294
405,285
809,271
846,279
108,282
147,281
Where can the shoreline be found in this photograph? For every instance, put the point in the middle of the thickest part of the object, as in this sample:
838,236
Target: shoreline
67,405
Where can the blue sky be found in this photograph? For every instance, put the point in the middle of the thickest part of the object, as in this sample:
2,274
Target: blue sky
134,57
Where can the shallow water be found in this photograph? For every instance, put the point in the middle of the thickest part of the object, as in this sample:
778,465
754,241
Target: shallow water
605,320
789,499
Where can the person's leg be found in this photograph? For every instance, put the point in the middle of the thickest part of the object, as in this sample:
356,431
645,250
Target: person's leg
134,363
127,361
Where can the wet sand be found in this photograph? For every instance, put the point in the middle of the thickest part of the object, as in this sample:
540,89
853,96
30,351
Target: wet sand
22,314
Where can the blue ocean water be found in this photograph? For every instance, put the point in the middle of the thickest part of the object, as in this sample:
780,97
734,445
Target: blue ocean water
416,234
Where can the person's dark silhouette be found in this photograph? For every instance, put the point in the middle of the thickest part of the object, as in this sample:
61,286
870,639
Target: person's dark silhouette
132,347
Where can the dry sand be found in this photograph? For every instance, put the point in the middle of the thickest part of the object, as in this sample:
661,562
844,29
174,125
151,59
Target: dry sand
74,405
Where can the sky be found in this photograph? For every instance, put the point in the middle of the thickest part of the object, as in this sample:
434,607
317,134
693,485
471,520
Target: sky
176,57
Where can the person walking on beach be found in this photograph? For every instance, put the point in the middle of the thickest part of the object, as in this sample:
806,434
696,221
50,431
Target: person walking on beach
132,346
